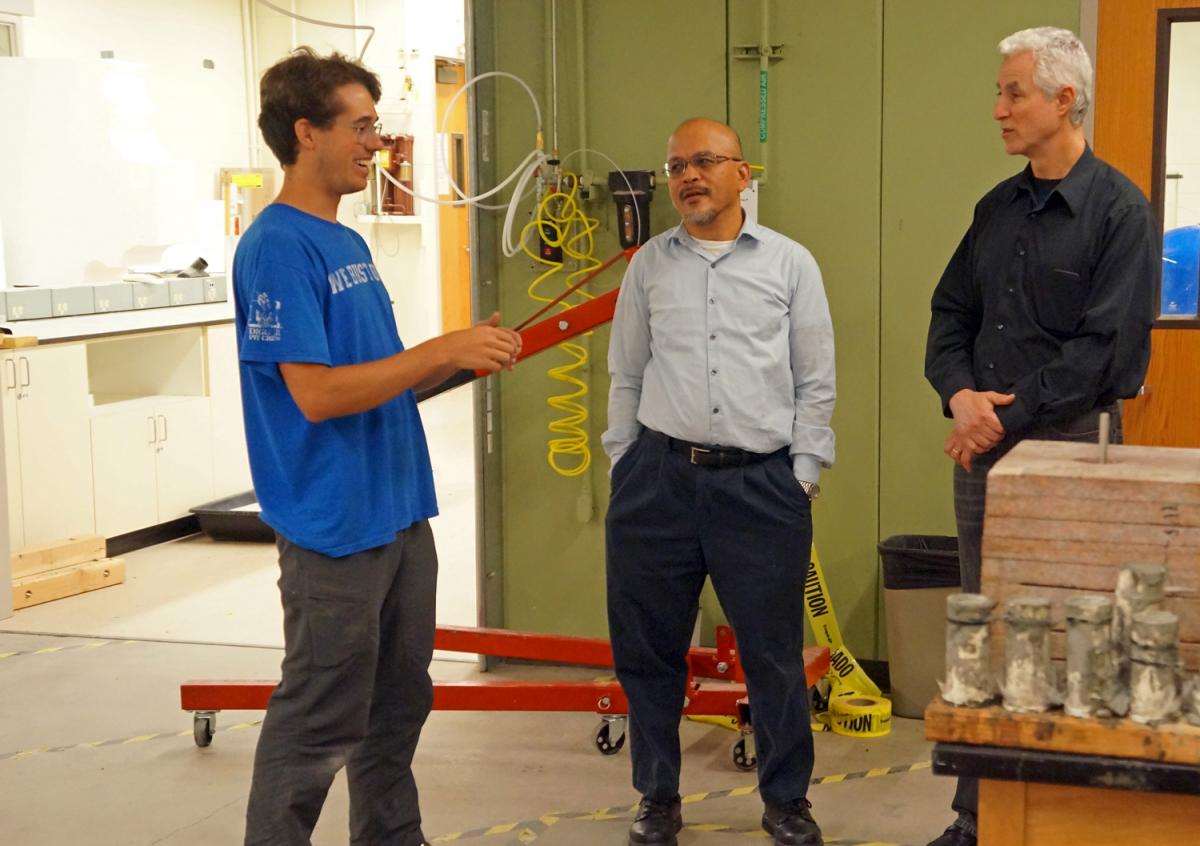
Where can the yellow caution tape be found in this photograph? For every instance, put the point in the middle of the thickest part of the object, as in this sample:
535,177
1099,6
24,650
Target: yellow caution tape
846,679
845,675
860,716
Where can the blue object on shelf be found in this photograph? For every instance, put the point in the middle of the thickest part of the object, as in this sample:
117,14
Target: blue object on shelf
1181,271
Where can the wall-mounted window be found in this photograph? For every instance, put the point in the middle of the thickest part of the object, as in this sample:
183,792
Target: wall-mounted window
1176,167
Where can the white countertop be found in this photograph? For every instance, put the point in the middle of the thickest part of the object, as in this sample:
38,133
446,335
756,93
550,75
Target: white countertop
121,322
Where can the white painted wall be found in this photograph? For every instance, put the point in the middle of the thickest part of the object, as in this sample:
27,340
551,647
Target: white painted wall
1181,204
104,162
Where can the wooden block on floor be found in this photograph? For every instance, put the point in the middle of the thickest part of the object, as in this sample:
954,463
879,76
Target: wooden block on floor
67,581
1059,523
39,559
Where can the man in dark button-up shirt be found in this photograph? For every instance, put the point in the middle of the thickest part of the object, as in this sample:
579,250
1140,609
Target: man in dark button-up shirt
1042,318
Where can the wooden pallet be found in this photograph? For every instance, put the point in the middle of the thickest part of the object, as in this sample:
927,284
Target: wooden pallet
1059,523
66,568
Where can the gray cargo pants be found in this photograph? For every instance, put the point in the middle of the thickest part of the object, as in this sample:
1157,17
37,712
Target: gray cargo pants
358,639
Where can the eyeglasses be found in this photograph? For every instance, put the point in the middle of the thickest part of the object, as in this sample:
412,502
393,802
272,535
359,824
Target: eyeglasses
703,162
363,131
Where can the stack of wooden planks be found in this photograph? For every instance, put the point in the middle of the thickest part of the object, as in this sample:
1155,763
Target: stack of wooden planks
1059,522
65,568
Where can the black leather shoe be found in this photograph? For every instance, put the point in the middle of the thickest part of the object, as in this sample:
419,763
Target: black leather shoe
656,823
791,824
954,836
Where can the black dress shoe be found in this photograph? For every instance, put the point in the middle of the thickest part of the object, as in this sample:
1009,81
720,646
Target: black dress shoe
954,836
791,824
656,823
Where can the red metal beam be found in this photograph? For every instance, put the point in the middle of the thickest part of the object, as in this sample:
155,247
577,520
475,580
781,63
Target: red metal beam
502,695
529,646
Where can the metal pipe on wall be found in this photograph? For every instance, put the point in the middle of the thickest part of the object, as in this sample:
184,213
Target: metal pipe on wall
764,65
250,71
585,505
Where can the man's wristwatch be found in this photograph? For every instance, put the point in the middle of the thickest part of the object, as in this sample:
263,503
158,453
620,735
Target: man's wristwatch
812,489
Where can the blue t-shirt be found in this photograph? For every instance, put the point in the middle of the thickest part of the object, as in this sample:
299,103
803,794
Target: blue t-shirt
306,290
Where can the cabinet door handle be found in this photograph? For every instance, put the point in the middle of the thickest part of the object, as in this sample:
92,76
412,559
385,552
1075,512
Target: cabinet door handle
152,430
25,363
163,418
12,372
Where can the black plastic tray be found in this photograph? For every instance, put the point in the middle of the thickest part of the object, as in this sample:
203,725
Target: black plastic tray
220,521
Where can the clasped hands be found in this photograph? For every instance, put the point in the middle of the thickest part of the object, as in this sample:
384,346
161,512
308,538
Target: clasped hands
977,428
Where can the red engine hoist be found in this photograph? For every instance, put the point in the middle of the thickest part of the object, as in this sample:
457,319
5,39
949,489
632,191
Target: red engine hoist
604,697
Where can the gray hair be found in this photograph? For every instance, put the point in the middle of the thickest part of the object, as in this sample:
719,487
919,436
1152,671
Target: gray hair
1060,59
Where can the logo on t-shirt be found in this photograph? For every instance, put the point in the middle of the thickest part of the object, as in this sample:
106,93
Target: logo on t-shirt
359,273
265,326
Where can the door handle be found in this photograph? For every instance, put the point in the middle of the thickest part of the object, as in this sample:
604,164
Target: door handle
163,418
25,362
152,429
12,373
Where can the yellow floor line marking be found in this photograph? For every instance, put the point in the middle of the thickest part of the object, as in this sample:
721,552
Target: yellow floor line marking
878,771
70,647
141,738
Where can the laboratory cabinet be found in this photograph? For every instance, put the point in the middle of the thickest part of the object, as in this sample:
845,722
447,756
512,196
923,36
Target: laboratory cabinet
152,461
47,444
120,432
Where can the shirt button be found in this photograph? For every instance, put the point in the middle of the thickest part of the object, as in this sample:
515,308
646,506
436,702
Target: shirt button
1000,326
714,372
716,411
1010,290
711,301
1020,252
712,337
991,365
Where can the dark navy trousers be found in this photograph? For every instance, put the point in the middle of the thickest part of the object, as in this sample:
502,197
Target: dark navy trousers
671,523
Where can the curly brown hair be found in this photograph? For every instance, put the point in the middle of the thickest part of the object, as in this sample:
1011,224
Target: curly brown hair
304,85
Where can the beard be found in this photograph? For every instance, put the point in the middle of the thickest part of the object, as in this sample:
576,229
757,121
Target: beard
701,218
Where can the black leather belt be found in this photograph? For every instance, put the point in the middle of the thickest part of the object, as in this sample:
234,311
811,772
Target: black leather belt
711,455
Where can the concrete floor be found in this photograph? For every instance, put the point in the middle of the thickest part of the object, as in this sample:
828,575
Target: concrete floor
94,750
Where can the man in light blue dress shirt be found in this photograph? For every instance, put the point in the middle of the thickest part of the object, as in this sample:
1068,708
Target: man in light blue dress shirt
722,372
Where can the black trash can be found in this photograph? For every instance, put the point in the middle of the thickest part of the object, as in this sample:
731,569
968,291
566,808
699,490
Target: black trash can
919,572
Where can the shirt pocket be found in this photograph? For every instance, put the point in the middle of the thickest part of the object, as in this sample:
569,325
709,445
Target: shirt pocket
1059,298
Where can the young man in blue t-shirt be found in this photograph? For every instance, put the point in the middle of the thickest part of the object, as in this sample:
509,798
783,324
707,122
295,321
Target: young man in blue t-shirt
341,468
